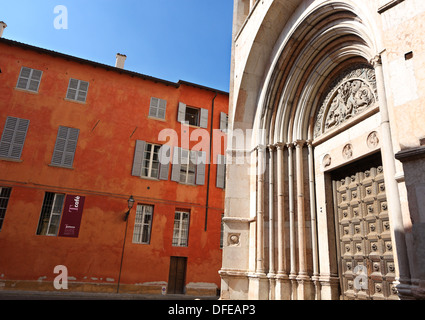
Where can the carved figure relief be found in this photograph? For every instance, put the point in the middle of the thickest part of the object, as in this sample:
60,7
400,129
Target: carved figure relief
327,161
351,94
373,140
347,152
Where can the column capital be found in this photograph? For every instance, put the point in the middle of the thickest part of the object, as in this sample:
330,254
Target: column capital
376,61
299,143
289,145
280,146
271,147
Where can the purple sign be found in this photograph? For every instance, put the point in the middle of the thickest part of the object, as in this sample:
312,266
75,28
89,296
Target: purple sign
71,217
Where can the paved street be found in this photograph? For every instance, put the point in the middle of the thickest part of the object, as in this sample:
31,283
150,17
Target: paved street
63,295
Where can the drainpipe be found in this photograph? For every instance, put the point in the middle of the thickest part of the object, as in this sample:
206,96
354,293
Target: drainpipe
209,162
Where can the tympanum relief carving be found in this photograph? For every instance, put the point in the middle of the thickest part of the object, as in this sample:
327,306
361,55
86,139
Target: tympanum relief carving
348,96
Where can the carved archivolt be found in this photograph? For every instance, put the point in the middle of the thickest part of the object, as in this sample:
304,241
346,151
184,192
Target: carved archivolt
351,94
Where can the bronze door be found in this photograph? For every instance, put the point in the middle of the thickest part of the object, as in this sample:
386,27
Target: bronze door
365,252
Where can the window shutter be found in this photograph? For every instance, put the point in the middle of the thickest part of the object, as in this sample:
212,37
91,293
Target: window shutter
175,174
24,77
200,169
71,147
35,80
153,108
77,90
182,112
65,147
164,162
83,88
13,138
223,122
138,158
203,123
221,171
29,79
72,89
162,108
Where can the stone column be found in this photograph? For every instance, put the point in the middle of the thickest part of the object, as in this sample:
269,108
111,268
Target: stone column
292,244
315,253
303,279
283,285
260,210
272,271
393,195
258,282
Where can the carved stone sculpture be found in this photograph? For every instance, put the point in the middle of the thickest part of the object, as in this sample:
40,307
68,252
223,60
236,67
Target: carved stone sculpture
352,93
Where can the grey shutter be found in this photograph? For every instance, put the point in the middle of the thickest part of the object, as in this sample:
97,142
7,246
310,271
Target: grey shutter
203,123
223,122
139,155
221,171
182,112
77,90
200,168
164,162
162,108
153,108
175,174
24,78
29,79
35,80
65,147
72,89
13,138
83,88
71,147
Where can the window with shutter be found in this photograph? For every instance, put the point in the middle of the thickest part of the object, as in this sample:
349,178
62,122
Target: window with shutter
65,147
13,138
192,116
151,160
29,79
157,108
189,166
77,90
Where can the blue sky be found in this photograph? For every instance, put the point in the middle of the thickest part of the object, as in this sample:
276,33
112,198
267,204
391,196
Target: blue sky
169,39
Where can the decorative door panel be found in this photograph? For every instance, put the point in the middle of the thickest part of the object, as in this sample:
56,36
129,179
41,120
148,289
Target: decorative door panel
366,262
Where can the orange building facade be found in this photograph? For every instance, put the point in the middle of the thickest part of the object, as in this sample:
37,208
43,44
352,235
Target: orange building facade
78,138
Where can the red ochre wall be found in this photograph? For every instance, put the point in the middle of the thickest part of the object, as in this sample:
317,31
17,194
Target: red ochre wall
114,116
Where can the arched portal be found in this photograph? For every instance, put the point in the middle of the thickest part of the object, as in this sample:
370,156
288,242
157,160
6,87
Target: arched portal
322,107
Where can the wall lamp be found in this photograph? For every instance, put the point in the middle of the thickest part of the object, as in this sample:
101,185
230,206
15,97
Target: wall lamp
130,203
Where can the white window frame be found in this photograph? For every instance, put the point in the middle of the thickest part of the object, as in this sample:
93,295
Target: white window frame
142,212
188,167
151,160
55,212
31,79
181,229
